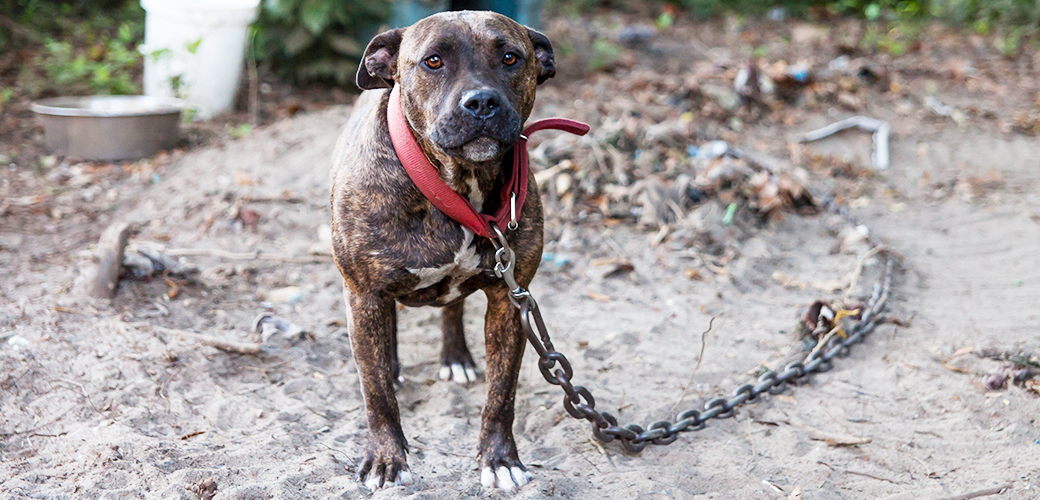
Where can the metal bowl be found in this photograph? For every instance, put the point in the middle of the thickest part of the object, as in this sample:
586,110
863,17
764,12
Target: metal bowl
109,127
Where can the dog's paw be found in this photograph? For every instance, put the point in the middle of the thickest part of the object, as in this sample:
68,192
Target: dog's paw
504,477
380,469
461,373
375,481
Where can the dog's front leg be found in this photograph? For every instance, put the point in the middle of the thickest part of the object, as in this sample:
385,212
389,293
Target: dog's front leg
504,339
371,338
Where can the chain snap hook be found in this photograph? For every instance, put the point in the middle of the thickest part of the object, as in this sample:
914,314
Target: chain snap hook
505,267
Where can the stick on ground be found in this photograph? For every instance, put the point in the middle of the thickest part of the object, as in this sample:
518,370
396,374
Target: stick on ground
700,357
217,342
102,275
981,493
224,254
879,128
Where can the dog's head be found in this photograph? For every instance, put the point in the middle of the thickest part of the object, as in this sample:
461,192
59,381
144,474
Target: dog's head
467,79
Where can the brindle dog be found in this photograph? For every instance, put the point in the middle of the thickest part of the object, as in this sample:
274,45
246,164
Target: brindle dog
467,83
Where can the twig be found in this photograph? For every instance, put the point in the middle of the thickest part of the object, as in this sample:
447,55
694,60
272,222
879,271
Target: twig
614,246
864,474
822,342
700,357
275,199
858,272
880,128
981,493
602,451
601,163
216,342
35,431
582,455
705,51
224,254
82,391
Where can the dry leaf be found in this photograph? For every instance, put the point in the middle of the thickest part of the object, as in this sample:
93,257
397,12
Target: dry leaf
606,261
242,178
609,267
786,281
948,363
828,285
796,493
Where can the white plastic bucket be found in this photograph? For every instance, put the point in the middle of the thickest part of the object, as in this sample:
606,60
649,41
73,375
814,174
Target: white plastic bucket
193,49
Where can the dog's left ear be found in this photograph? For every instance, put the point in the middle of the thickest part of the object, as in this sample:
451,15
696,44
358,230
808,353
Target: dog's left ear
544,53
380,61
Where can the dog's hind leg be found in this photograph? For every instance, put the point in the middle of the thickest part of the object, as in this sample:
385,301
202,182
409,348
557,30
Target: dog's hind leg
456,361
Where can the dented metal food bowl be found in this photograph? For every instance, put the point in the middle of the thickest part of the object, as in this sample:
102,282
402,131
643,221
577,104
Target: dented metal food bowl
109,127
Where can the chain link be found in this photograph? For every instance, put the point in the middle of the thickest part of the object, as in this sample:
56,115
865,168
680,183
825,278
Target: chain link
579,403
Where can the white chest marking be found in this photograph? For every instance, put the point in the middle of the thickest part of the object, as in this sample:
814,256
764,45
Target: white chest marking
463,266
476,198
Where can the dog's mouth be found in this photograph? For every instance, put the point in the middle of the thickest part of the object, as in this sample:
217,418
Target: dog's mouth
476,140
482,149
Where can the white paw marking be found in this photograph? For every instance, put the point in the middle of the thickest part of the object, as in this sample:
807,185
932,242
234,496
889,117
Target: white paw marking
374,481
458,373
520,476
505,478
487,477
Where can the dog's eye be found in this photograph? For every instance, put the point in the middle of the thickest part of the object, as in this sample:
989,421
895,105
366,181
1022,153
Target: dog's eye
510,59
434,62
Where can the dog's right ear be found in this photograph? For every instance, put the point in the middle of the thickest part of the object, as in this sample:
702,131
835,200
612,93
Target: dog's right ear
380,61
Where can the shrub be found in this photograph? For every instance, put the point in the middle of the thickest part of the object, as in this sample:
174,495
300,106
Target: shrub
77,47
316,40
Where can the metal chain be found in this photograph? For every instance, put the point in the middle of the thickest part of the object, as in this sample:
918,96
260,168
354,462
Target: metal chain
580,404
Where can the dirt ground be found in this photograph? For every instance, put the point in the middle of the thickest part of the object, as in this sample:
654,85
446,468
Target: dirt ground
120,399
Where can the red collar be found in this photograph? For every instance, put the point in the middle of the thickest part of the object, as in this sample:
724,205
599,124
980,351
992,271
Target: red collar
426,178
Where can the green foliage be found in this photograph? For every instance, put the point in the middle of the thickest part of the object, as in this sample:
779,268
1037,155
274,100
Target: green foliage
1011,20
78,47
240,131
664,21
100,68
316,40
895,23
604,54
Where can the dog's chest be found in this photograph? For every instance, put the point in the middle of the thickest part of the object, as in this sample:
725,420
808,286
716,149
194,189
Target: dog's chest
444,281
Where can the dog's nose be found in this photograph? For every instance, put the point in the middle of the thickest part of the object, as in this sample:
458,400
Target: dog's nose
480,103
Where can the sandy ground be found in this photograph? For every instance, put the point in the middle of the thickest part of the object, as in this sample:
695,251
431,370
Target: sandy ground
112,400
